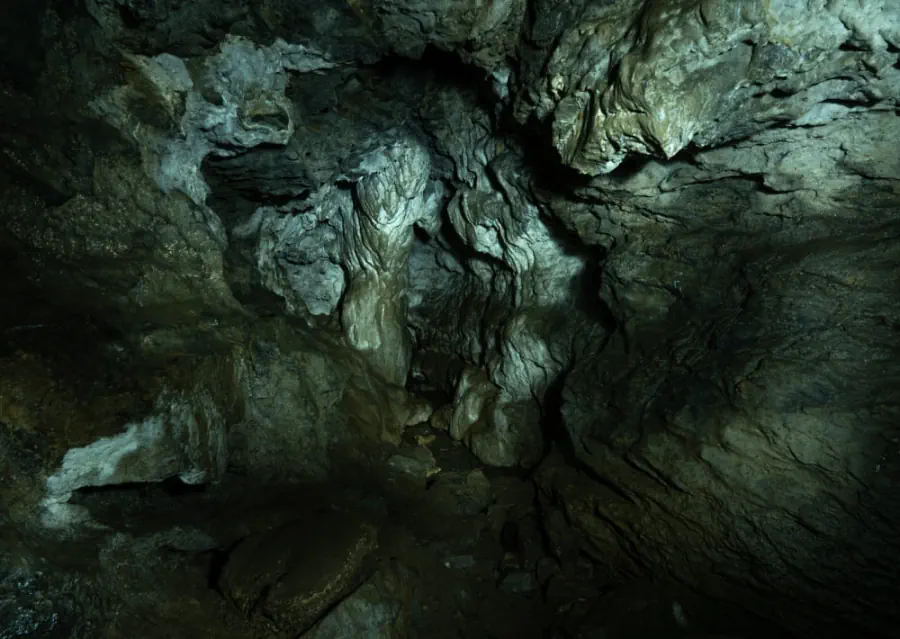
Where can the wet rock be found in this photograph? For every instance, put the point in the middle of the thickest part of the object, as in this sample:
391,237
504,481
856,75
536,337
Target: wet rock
292,575
392,198
493,410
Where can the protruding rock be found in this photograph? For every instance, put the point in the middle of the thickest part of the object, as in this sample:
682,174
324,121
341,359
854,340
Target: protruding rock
293,574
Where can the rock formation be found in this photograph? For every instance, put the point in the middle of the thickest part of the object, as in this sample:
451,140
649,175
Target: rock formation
640,254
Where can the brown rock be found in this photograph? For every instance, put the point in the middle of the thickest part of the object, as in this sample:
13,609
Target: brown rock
293,574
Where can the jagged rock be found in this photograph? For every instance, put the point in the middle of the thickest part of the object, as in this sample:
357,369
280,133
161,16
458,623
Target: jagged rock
26,610
378,240
298,251
654,239
634,77
483,33
97,253
731,388
235,100
173,426
518,270
311,406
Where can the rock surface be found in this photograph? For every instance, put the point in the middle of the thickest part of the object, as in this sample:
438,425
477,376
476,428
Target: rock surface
378,609
293,574
644,251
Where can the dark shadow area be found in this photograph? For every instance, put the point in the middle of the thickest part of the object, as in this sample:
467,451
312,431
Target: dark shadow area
553,427
442,67
20,41
630,166
548,174
32,321
586,286
100,494
218,558
176,487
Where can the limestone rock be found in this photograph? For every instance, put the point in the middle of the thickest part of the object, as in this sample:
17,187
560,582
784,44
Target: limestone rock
293,574
174,426
378,238
651,79
747,424
483,33
648,248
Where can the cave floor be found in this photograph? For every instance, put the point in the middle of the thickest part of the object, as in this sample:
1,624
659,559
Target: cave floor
468,540
165,544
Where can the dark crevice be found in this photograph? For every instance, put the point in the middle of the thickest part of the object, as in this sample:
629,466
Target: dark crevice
130,19
82,496
781,93
218,559
49,193
552,422
586,285
547,172
175,487
629,167
445,66
849,45
851,103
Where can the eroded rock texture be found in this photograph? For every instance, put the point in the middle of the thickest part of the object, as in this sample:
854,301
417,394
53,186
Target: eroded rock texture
646,250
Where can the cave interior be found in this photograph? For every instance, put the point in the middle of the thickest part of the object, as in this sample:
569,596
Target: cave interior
620,360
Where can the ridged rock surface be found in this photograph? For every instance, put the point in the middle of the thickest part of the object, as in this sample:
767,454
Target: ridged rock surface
647,250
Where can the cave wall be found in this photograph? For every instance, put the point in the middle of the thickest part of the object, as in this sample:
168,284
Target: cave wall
645,249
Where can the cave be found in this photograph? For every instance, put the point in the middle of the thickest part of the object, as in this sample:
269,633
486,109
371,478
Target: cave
401,319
